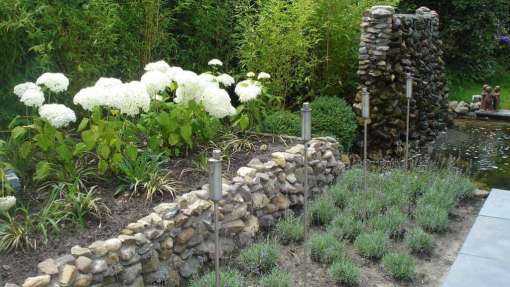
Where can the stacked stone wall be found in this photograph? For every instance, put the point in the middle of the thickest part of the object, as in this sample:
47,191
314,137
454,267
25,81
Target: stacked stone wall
391,46
176,240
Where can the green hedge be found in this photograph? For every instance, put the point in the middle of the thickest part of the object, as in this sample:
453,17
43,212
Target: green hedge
282,123
332,116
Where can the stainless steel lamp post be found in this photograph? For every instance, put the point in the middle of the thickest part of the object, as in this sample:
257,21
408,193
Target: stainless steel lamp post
366,116
409,95
215,194
306,135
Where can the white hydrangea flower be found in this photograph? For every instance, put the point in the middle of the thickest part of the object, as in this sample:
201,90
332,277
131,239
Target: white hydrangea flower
160,66
226,80
250,74
57,115
173,72
7,202
207,77
55,82
20,89
217,103
190,86
130,98
215,62
92,97
155,82
107,82
248,90
33,98
264,76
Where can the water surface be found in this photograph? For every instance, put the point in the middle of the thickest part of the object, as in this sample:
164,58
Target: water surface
481,146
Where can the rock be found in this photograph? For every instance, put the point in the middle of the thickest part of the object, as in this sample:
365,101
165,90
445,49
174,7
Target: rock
462,108
130,273
167,209
113,244
291,178
238,212
259,200
37,281
235,226
98,266
256,164
266,220
83,280
197,207
190,267
67,275
252,225
48,266
158,277
279,159
184,236
263,147
137,283
481,193
99,247
297,149
10,285
280,201
84,264
127,252
151,265
246,172
80,251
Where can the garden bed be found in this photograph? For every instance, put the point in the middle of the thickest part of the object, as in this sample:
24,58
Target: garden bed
125,209
277,260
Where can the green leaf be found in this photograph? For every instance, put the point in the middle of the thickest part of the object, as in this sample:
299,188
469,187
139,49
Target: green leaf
83,124
117,159
80,148
43,141
174,139
64,152
42,170
103,150
25,149
131,152
18,132
89,137
244,122
187,133
102,166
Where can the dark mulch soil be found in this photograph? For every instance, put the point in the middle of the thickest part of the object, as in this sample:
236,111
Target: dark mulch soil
18,265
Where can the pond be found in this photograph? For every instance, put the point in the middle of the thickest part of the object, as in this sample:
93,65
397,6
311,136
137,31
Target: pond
483,147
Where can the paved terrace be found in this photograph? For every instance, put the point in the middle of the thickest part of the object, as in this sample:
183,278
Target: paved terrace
484,260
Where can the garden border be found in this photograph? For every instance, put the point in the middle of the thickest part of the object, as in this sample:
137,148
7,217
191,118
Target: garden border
176,240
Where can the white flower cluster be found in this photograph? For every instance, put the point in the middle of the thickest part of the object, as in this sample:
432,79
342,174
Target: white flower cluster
248,90
33,98
29,94
128,98
57,115
7,203
226,80
217,103
215,62
55,82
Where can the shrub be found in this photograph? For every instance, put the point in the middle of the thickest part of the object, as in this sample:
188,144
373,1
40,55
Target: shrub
279,40
419,242
276,278
345,227
399,266
228,278
372,245
322,210
259,258
290,229
334,117
392,223
431,218
326,248
364,206
345,272
339,194
282,123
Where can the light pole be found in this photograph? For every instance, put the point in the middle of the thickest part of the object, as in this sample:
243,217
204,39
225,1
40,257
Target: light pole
215,194
306,136
409,95
366,116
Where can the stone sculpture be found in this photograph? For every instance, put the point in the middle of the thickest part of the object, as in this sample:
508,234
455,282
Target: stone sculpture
487,99
496,98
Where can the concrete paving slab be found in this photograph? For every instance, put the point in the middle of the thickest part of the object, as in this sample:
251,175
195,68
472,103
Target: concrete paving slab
472,271
497,204
489,238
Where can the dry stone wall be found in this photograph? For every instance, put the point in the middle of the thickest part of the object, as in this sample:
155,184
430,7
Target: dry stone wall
391,46
176,240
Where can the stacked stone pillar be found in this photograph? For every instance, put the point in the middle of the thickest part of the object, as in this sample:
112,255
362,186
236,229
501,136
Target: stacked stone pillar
391,46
